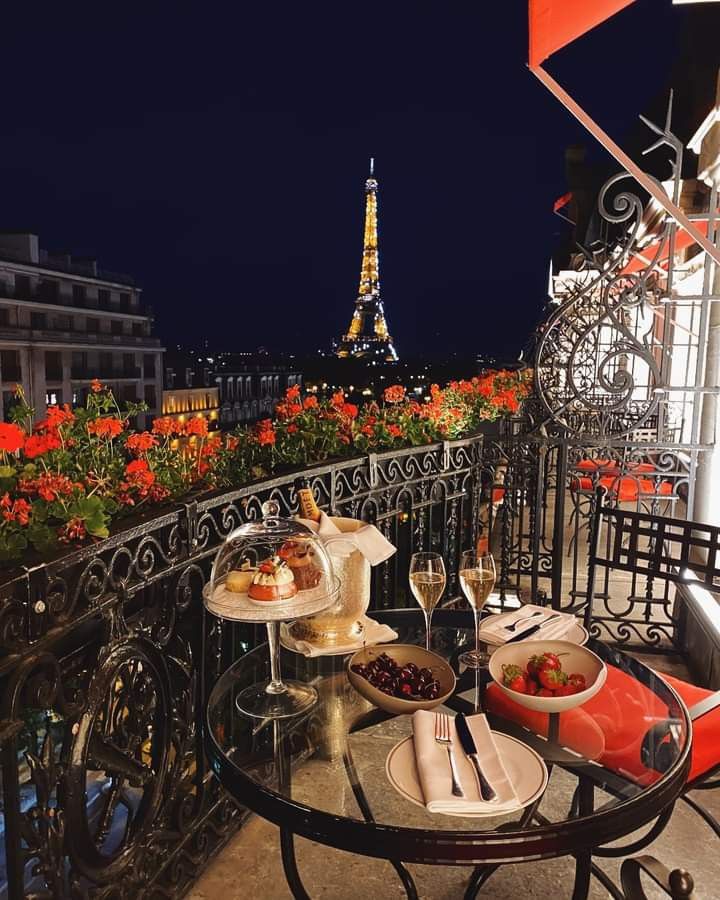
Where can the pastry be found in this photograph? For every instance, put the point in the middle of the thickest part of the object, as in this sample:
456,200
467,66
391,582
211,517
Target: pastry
300,557
238,580
273,581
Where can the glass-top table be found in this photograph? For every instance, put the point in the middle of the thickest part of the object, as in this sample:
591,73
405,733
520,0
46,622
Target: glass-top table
617,766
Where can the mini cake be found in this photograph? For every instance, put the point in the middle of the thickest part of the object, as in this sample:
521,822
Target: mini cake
238,580
273,581
300,558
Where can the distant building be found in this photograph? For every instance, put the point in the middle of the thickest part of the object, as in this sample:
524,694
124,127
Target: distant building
64,322
248,386
187,403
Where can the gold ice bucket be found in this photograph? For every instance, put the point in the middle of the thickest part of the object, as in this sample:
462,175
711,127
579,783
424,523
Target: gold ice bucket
342,623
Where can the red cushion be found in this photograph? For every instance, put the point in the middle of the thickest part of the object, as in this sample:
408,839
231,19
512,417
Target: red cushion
706,729
609,728
629,487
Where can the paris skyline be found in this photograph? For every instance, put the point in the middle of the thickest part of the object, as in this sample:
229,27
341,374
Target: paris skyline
223,168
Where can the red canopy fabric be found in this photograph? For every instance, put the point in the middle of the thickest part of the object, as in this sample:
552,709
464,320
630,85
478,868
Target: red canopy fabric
641,258
555,23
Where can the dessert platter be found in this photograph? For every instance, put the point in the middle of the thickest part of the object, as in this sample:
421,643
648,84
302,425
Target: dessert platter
267,572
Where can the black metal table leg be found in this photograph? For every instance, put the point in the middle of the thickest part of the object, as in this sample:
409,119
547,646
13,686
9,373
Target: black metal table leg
482,873
362,802
292,876
583,861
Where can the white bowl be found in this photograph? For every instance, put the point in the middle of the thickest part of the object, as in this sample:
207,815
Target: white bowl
575,658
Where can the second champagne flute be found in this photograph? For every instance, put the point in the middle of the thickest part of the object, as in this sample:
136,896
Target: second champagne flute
477,578
427,582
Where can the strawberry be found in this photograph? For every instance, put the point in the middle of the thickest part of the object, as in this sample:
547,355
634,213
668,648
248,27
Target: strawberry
552,679
514,679
544,692
578,681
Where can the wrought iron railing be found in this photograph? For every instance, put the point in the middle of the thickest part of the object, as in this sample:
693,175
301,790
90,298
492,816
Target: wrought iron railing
105,789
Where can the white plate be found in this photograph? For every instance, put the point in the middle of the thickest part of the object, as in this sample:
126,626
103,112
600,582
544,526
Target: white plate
525,769
576,635
240,608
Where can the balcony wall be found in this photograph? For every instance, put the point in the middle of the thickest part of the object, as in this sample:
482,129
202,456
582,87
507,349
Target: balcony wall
101,664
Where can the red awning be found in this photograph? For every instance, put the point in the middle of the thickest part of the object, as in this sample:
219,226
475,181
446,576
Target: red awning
641,259
555,23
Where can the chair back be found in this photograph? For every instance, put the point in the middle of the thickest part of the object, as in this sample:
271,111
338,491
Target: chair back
657,553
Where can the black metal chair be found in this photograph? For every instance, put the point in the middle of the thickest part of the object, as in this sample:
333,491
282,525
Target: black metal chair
660,553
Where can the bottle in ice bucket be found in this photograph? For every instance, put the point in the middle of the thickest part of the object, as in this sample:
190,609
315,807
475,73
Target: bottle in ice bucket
306,500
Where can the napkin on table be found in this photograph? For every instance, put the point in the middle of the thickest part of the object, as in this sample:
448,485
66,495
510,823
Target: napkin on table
373,545
433,768
495,631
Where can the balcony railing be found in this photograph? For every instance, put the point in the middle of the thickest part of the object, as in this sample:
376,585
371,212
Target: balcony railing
79,373
100,661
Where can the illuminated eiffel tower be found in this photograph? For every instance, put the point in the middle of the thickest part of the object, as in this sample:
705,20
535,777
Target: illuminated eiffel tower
368,337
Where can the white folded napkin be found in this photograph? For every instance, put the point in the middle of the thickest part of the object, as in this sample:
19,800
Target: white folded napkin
494,630
433,768
373,545
373,633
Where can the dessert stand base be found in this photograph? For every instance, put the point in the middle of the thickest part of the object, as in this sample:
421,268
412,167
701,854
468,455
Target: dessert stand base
262,701
473,659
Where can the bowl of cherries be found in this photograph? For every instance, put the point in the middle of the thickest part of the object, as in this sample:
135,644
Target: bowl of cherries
547,676
402,680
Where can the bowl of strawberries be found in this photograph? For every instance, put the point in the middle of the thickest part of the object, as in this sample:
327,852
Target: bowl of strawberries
547,676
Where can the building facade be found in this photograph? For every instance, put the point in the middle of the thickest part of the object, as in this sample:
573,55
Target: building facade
64,322
251,392
182,404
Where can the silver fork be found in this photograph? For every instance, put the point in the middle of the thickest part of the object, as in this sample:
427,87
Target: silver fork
442,736
513,626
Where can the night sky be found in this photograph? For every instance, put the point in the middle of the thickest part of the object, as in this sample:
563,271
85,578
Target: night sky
218,152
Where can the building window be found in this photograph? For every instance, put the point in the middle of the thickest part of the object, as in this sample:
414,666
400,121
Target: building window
137,329
149,365
116,326
79,364
125,302
9,401
129,370
79,294
22,287
10,366
53,398
92,326
4,316
38,320
53,365
104,298
63,323
150,397
49,290
106,365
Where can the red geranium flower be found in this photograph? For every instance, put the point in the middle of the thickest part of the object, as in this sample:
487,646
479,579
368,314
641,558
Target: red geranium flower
12,437
96,386
394,394
310,402
165,426
265,432
141,442
197,426
108,427
293,393
349,410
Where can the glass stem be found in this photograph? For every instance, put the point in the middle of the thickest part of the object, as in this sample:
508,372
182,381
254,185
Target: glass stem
428,623
476,616
275,685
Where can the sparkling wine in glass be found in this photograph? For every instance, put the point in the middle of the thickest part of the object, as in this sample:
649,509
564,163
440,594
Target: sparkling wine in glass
477,579
427,582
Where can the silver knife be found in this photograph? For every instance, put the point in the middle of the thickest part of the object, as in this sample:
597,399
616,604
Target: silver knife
467,742
533,630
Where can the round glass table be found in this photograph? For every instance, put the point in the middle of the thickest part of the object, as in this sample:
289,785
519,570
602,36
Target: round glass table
615,766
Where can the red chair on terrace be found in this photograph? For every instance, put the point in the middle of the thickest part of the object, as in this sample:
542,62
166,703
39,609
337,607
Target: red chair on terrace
659,553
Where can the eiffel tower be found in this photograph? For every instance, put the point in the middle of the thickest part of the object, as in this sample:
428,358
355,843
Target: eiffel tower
368,337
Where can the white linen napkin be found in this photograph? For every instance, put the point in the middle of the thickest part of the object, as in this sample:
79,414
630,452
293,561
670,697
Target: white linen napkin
495,629
433,768
373,545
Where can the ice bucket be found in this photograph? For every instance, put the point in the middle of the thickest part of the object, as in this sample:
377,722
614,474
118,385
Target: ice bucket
342,623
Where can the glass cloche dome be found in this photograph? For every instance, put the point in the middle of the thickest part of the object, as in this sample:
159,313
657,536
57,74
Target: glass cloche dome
273,570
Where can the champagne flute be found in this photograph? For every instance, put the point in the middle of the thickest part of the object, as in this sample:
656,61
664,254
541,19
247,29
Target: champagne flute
427,582
477,578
